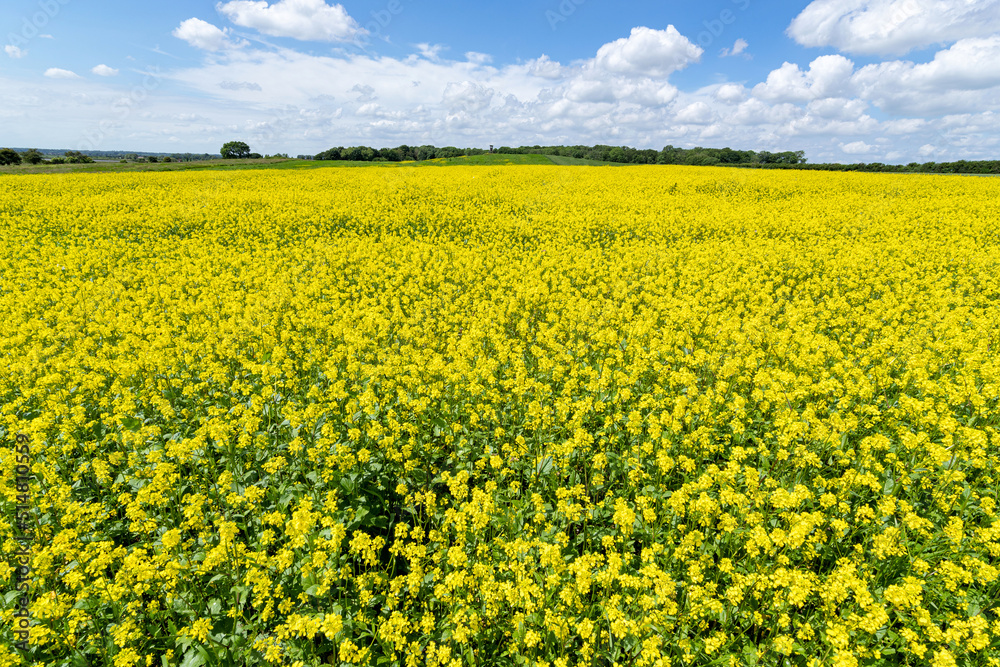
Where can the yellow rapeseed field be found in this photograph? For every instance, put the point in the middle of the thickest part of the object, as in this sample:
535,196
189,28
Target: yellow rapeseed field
499,416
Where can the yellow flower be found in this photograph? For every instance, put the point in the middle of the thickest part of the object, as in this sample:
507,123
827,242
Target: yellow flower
198,630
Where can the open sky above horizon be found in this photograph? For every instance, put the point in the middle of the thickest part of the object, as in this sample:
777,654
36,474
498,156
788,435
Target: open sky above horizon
843,80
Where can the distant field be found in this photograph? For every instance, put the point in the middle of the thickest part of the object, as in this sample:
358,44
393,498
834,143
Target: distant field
570,161
110,167
286,163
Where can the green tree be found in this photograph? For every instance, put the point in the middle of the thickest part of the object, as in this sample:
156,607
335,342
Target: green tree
235,150
9,156
32,156
76,157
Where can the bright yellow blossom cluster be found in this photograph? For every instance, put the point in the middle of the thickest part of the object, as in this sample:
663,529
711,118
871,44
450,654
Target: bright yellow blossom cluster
501,416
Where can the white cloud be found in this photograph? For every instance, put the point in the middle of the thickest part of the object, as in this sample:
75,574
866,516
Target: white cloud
697,113
958,78
467,96
857,148
731,93
892,26
837,108
203,35
307,20
104,70
544,67
738,47
365,93
648,52
430,51
647,93
56,73
904,126
14,52
478,58
596,90
753,112
827,76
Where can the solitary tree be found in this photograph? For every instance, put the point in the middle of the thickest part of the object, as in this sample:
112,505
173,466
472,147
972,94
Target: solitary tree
235,150
9,156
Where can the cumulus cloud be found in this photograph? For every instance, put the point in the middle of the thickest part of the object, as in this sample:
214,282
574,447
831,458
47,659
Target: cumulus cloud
593,90
837,108
203,35
365,92
698,113
753,112
892,27
430,51
648,52
857,148
738,47
477,58
731,93
467,96
14,52
647,93
827,76
544,67
104,70
957,78
307,20
57,73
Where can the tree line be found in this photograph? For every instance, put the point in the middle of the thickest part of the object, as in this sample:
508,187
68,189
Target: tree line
9,156
697,156
402,153
600,152
957,167
674,155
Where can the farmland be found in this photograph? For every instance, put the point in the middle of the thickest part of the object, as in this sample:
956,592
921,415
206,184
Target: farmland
517,415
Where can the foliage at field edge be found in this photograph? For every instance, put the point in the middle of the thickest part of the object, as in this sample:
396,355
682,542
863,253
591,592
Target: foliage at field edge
502,416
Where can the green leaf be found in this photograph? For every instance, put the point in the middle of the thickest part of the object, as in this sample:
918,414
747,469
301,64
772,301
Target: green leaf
889,485
193,658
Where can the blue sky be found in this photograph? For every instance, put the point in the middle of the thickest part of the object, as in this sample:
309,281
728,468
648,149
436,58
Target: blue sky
844,80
